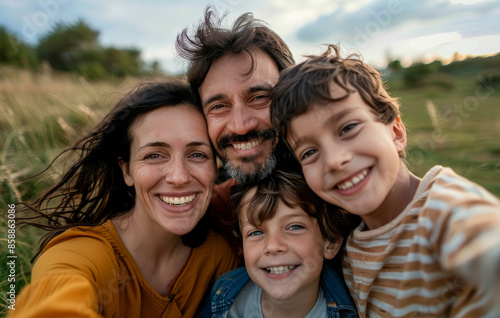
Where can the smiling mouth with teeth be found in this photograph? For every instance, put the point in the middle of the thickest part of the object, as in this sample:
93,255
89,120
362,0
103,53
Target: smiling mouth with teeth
352,182
178,201
247,145
280,269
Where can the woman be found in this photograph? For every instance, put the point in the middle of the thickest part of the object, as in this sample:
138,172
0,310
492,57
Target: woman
127,236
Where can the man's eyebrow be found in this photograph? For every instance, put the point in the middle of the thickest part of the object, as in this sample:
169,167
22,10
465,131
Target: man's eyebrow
213,98
329,121
249,90
258,88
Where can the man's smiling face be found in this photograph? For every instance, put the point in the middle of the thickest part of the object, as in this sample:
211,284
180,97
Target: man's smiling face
236,106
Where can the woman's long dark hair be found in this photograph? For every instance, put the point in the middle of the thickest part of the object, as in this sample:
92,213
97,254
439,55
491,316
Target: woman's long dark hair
93,190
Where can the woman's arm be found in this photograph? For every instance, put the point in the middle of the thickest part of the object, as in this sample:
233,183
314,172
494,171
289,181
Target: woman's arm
75,276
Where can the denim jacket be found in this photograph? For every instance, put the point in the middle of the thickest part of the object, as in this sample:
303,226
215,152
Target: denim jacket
229,285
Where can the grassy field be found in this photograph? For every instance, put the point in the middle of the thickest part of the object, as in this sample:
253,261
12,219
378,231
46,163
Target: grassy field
41,115
459,128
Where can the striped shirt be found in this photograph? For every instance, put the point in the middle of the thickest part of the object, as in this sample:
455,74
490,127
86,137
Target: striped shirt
439,258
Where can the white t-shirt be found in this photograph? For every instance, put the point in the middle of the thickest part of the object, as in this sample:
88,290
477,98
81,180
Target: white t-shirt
248,304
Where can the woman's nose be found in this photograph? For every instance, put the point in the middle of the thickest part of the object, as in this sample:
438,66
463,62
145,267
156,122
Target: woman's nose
178,172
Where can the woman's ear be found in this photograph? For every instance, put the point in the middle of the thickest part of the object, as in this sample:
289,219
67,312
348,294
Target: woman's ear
126,174
332,248
399,134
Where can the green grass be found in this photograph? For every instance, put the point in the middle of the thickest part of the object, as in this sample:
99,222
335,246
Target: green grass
466,135
40,117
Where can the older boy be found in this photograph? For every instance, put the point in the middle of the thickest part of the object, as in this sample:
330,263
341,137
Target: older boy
426,247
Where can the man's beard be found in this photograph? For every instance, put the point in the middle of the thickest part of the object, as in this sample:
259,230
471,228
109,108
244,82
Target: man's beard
261,170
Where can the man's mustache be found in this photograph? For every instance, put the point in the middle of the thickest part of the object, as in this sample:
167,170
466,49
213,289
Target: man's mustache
226,140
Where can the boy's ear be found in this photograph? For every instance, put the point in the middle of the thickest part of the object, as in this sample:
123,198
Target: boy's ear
125,170
399,134
332,248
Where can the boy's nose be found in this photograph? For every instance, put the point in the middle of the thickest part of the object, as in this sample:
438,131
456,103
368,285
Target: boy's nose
275,244
336,158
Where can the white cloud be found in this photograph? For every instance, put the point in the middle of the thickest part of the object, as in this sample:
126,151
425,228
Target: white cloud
433,40
405,29
474,46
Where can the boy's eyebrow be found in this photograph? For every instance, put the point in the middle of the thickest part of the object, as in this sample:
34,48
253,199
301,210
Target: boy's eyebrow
246,222
297,214
330,121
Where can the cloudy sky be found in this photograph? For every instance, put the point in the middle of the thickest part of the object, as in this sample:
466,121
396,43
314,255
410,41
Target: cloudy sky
409,30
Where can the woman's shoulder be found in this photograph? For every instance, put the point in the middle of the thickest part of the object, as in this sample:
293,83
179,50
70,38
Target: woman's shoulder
83,250
216,242
75,268
216,252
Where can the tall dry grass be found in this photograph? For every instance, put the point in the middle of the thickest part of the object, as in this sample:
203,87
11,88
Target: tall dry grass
41,114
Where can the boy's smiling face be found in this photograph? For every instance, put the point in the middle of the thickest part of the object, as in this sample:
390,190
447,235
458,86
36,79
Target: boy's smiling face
284,255
349,158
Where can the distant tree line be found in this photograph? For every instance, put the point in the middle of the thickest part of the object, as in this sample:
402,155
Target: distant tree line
441,75
73,48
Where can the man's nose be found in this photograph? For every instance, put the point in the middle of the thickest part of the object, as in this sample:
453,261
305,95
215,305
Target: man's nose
242,120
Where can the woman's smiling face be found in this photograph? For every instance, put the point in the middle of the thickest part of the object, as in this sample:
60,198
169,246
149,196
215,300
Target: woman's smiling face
171,167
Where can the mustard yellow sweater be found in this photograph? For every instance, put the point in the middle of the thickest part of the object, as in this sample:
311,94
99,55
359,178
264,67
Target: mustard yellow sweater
88,272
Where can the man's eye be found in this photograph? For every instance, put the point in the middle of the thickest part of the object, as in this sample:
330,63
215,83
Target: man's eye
259,97
216,107
260,101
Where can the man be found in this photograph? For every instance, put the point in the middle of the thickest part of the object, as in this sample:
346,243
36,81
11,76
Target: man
233,71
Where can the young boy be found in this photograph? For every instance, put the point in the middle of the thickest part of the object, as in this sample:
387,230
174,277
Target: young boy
427,247
287,232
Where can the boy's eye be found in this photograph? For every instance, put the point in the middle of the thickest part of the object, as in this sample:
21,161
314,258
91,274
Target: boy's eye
295,227
255,233
345,129
308,154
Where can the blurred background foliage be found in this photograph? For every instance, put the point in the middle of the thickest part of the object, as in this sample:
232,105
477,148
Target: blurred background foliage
73,48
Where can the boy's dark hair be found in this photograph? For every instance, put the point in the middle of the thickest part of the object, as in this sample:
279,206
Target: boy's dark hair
211,41
308,83
291,189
